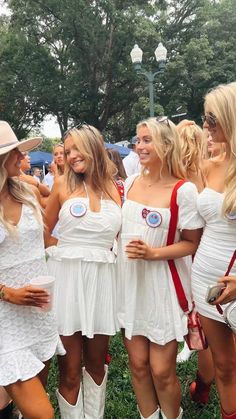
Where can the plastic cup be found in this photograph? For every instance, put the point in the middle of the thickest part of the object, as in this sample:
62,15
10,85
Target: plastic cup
46,282
126,238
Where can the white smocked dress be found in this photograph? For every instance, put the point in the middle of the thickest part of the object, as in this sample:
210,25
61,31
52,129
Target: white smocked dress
28,335
214,253
83,263
147,301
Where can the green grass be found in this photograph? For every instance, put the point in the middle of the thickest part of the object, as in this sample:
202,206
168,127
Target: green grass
120,400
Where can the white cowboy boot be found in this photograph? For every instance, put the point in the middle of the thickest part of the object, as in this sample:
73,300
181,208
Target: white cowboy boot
178,417
94,396
155,415
185,354
70,411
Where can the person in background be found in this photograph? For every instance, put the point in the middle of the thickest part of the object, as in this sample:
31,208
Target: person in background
44,191
28,337
37,174
217,206
87,203
114,155
131,162
59,159
49,177
148,308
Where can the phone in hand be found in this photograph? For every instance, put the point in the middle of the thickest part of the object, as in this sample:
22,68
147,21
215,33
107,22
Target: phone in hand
213,292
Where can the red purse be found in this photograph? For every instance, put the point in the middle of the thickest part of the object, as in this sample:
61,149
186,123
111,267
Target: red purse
195,338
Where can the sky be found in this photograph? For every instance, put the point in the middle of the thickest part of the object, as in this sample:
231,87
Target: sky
50,128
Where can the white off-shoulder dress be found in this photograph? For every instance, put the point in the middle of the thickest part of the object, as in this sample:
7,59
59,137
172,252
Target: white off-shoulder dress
28,335
83,263
215,251
147,301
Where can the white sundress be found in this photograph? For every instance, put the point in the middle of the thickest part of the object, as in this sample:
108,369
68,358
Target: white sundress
214,253
28,335
147,301
83,263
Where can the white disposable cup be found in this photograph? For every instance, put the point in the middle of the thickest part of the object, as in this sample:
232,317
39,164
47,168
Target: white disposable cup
126,238
46,282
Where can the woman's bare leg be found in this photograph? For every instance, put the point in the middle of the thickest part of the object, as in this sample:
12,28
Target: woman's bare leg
163,367
138,349
31,399
222,343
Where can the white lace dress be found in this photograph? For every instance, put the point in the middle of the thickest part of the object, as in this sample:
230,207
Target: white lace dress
214,253
83,263
147,301
28,335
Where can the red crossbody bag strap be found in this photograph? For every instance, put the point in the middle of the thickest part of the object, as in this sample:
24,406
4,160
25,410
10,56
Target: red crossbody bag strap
121,189
174,210
218,306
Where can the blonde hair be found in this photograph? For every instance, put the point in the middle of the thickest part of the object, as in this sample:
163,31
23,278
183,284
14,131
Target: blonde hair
166,141
100,169
192,143
20,191
222,103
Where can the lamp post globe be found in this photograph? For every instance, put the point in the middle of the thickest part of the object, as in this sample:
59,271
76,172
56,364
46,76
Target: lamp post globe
136,58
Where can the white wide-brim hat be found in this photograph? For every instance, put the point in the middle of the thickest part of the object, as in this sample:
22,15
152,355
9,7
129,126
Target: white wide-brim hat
9,141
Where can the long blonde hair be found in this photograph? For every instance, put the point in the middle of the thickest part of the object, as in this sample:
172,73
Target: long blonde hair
166,141
222,103
100,169
192,144
20,191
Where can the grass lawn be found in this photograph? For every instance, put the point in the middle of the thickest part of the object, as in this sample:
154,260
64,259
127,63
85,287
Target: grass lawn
120,401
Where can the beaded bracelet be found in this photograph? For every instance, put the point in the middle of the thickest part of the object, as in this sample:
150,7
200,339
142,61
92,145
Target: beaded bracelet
2,294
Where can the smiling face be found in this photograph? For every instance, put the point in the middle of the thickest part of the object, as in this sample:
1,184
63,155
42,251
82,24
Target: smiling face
215,130
145,147
13,163
74,158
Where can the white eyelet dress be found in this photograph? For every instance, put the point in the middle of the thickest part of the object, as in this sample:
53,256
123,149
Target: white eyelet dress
214,253
83,263
147,301
28,335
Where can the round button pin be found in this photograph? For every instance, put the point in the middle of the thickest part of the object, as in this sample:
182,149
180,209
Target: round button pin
154,219
78,209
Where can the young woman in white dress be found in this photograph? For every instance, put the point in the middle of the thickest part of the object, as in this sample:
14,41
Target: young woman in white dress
217,205
87,204
28,336
148,308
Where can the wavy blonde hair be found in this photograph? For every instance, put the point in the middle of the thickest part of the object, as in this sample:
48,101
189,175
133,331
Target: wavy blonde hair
222,103
20,191
167,144
100,169
192,145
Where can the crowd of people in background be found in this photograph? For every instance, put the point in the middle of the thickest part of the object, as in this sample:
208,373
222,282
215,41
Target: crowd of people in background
105,224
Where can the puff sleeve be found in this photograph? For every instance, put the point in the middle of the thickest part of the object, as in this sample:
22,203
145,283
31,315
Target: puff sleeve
189,217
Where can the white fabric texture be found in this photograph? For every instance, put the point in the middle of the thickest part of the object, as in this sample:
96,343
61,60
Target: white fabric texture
131,163
28,335
84,264
214,253
147,301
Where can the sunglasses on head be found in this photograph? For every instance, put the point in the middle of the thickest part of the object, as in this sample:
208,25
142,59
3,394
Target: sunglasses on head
210,119
77,127
163,120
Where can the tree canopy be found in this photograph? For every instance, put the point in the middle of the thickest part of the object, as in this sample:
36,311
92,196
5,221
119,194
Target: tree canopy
71,58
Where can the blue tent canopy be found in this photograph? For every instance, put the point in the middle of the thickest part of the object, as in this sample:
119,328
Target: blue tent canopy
40,158
123,151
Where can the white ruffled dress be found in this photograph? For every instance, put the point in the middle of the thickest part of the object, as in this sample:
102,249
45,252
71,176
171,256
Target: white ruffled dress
147,301
28,335
83,263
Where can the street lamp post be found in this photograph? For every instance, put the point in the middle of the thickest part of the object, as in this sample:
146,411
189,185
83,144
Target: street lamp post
136,57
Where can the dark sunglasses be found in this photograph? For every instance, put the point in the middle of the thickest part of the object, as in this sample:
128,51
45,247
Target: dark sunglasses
77,127
163,120
210,119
